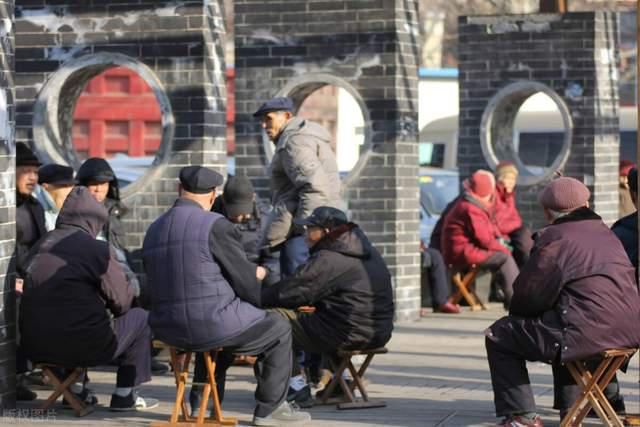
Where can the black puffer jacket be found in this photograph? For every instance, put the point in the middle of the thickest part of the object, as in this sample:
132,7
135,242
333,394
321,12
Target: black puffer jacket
348,282
71,281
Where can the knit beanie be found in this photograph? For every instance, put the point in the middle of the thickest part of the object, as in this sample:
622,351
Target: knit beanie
625,167
564,194
481,183
506,167
238,196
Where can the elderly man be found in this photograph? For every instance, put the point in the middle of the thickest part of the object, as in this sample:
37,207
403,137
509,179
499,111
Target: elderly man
76,307
576,290
347,282
304,176
205,294
56,182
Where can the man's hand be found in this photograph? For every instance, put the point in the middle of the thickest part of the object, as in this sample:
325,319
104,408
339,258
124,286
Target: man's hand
261,273
19,285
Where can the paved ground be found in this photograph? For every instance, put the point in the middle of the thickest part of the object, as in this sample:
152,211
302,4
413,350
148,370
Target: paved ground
436,374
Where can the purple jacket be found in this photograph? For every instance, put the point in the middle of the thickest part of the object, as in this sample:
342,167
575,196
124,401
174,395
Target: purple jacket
580,284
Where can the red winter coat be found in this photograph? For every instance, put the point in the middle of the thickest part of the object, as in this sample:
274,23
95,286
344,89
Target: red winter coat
506,214
469,234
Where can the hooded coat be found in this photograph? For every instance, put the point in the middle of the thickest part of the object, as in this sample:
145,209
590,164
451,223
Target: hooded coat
577,294
348,283
304,176
73,285
469,234
97,169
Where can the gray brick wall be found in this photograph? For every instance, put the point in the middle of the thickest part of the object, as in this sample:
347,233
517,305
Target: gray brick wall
369,47
180,46
575,55
7,209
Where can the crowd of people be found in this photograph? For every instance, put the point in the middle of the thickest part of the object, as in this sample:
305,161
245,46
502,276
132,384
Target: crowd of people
225,271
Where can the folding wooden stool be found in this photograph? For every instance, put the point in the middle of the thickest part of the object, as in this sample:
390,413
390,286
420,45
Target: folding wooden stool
593,385
62,388
180,363
465,288
349,401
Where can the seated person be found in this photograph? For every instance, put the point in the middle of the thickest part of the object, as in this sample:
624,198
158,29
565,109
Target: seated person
76,303
347,282
507,216
625,202
626,229
205,293
238,204
56,182
434,267
471,237
575,297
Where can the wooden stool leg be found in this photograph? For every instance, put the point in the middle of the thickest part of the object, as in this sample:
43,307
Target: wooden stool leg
358,376
210,363
181,374
62,388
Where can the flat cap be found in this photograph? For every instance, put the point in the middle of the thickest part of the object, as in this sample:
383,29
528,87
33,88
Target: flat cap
275,104
199,180
56,174
564,194
325,217
25,157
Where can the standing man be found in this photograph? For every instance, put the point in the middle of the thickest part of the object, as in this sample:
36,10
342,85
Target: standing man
205,294
304,176
29,228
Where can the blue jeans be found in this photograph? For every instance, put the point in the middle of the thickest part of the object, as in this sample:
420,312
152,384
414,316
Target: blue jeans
293,254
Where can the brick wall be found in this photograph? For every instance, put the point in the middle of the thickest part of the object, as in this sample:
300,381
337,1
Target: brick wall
179,44
7,209
370,48
575,55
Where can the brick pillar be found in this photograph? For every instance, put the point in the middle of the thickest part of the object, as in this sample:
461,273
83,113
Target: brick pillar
575,56
7,210
368,47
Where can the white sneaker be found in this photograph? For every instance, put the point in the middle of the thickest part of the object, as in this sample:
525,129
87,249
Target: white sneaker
284,415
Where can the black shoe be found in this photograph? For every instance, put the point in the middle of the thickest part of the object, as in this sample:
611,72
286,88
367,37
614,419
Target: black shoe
24,394
195,399
301,397
86,396
35,380
131,402
336,393
158,368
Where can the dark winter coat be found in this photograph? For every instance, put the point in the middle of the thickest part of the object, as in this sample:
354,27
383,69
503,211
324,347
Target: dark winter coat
30,227
577,293
73,284
626,229
347,281
470,234
506,214
193,305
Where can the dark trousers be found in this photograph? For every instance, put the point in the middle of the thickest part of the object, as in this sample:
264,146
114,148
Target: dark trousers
133,354
433,265
270,341
522,243
294,252
510,378
505,266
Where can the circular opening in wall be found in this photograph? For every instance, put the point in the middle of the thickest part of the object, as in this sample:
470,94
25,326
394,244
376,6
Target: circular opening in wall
529,124
335,105
106,105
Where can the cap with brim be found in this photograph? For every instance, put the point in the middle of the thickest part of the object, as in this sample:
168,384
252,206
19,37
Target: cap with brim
325,217
274,104
199,180
26,157
56,175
